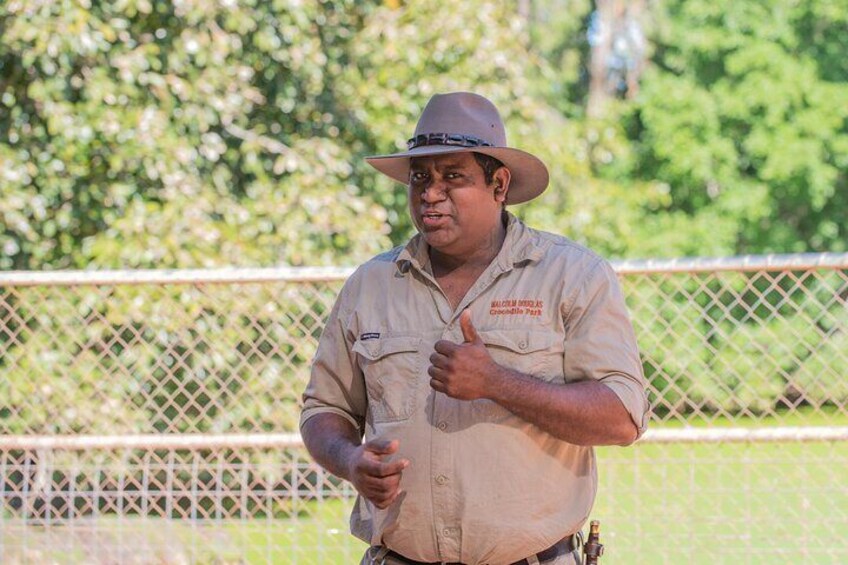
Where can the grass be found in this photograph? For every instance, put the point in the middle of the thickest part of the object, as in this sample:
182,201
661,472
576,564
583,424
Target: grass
692,504
802,416
320,538
725,503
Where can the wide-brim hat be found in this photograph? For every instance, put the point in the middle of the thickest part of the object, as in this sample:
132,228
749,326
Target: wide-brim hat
463,122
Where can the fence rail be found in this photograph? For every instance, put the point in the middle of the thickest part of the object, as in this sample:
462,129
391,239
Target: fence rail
287,441
151,416
741,263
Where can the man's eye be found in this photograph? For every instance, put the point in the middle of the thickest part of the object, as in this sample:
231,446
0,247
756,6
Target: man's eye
419,176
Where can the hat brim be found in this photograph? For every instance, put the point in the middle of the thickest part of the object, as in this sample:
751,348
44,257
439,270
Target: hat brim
528,174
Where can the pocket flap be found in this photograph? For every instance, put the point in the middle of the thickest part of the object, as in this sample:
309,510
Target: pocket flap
374,349
519,341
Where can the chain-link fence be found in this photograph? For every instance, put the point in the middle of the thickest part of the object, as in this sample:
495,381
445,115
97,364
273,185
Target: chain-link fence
152,417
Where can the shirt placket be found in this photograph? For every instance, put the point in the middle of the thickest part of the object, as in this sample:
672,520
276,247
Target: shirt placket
445,510
445,417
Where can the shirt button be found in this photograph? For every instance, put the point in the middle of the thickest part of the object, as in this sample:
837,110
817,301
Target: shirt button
443,426
447,531
522,345
441,479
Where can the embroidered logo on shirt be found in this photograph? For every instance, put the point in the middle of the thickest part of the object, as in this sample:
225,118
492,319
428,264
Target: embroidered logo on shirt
516,307
369,335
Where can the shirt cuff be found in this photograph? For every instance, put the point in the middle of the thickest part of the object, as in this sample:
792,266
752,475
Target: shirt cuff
633,397
315,410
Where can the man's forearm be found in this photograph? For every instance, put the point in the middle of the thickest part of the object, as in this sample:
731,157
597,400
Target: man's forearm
331,439
582,413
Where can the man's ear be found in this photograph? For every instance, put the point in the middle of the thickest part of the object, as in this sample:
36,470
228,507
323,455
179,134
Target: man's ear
501,179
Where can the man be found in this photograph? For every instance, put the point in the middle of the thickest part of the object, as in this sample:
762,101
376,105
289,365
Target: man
480,363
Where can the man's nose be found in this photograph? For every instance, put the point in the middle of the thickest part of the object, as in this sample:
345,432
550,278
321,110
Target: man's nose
434,192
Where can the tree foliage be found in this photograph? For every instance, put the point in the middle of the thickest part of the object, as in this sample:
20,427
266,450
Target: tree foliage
144,134
743,115
152,134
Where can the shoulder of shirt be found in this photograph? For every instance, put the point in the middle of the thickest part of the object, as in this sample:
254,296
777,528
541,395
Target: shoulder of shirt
385,260
560,248
377,266
365,278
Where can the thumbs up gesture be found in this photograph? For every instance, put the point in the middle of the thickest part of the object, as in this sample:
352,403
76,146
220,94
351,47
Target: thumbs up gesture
463,370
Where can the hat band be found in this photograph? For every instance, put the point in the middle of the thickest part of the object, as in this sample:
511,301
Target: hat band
456,139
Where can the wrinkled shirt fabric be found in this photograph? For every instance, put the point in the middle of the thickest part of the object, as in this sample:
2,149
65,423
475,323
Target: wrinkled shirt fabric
483,485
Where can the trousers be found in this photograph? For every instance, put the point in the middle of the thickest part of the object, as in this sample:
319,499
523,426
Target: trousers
572,558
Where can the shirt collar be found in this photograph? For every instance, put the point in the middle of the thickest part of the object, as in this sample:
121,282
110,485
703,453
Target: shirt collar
519,246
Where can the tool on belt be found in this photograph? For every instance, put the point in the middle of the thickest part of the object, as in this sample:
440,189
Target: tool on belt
593,548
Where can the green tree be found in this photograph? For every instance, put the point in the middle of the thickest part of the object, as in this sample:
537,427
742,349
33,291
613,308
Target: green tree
142,134
743,115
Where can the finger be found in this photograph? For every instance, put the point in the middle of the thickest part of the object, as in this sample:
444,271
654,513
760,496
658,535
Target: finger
469,332
381,485
384,470
382,446
381,503
381,495
445,347
385,500
371,469
381,488
439,360
438,385
437,373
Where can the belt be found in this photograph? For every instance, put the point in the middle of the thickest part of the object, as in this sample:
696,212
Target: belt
562,547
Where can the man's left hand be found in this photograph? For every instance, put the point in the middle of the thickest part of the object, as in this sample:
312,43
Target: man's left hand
462,370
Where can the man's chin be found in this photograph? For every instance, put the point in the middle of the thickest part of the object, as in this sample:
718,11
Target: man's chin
438,240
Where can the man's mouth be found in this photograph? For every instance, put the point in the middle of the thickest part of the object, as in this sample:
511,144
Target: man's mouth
432,219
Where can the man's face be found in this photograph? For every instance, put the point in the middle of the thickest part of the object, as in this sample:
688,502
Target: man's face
450,203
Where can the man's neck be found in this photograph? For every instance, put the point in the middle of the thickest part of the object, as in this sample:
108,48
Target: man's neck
475,261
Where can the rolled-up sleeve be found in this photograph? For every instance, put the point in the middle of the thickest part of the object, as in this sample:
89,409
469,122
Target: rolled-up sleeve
336,383
600,343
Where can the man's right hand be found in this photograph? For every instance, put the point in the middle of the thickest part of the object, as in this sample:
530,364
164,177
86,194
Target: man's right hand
376,479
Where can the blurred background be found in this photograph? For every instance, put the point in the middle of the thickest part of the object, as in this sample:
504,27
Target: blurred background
149,390
196,133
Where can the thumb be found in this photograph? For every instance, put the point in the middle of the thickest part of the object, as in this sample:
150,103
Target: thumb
469,332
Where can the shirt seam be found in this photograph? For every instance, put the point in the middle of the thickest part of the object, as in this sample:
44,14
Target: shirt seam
572,298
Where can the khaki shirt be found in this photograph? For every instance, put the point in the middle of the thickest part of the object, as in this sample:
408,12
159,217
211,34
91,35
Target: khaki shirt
483,486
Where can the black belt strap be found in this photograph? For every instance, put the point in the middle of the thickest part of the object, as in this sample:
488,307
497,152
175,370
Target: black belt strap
562,547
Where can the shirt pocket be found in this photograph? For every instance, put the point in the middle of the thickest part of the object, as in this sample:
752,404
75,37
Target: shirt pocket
391,367
536,353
